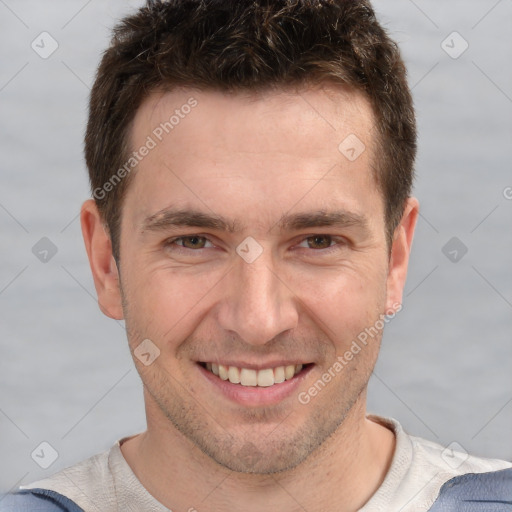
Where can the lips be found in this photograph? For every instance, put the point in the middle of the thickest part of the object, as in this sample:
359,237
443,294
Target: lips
249,377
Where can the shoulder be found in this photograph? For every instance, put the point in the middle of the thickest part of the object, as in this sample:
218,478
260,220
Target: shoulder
475,492
425,474
462,482
37,500
86,484
452,460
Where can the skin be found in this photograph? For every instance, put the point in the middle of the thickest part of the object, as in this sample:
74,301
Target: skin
253,158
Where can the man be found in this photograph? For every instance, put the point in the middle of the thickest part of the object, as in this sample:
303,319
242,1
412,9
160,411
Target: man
251,166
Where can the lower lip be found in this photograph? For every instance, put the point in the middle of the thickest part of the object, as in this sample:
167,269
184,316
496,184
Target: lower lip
255,395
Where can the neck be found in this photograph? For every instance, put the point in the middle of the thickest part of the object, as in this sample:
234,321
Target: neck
341,475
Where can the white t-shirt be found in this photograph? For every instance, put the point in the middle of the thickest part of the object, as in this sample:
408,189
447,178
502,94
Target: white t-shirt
106,483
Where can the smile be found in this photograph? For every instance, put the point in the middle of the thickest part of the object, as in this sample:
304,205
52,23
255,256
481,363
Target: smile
265,377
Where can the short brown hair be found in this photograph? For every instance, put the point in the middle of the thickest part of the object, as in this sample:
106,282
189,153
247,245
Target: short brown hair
243,45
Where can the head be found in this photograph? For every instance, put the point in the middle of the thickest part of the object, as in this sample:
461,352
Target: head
251,166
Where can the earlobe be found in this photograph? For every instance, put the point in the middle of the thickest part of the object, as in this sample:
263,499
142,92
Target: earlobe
400,251
101,260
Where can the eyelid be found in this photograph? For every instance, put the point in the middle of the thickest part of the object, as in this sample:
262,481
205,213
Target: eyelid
338,241
170,241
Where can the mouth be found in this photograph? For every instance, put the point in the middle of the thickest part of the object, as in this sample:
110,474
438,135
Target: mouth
250,377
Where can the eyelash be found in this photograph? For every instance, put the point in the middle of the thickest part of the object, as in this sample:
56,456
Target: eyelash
339,242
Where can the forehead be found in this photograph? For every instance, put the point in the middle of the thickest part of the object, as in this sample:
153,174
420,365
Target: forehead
221,151
323,113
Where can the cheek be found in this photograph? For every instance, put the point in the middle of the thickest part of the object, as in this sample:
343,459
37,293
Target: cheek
164,304
168,305
344,302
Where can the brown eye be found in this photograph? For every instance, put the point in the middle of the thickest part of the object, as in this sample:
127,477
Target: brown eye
322,245
191,242
319,241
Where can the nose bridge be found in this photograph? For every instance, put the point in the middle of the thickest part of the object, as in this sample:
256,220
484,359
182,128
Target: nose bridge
257,304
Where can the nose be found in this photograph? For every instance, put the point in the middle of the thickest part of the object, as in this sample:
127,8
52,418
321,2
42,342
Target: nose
257,304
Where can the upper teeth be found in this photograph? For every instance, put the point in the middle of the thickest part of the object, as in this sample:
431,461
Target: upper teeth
247,377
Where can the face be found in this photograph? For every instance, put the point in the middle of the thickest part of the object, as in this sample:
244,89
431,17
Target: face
253,254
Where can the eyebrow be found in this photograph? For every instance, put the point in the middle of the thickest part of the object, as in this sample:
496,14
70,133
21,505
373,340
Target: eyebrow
170,218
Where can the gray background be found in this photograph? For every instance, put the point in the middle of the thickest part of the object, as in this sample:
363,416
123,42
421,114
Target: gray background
445,369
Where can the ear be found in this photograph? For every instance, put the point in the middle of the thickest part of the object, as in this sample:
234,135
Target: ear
103,266
400,250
